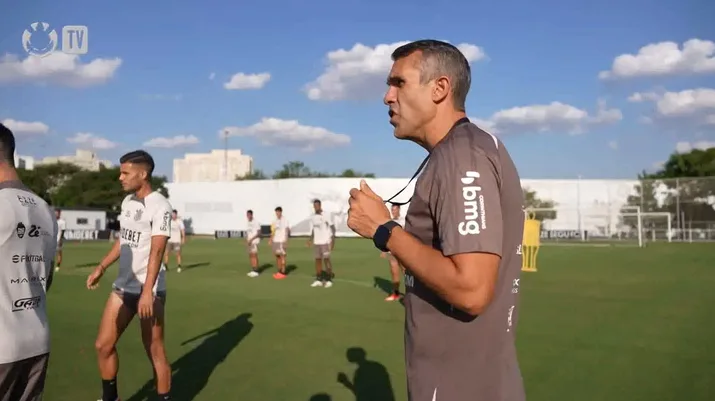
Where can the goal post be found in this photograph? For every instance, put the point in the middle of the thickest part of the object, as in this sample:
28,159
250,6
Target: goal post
626,226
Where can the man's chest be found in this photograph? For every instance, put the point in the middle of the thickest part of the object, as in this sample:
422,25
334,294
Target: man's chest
135,223
320,222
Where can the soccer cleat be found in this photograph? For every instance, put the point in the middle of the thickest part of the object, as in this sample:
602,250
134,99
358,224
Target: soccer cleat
392,297
252,274
178,270
328,284
57,269
279,276
317,283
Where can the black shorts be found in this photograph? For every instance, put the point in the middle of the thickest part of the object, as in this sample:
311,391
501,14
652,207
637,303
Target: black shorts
131,300
24,380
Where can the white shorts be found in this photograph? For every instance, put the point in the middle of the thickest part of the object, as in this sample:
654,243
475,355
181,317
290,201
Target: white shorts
252,248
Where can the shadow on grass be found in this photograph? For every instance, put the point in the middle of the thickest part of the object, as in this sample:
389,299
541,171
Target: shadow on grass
370,382
291,268
192,371
386,286
264,267
321,397
195,265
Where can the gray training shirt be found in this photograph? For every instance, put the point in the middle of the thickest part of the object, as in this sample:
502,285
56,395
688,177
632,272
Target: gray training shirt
468,199
28,240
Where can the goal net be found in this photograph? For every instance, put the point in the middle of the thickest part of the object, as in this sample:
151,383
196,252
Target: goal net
625,226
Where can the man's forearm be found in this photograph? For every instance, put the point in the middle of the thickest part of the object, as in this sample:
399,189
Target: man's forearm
152,269
112,256
428,265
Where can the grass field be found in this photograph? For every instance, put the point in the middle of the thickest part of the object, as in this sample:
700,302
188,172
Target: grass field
596,324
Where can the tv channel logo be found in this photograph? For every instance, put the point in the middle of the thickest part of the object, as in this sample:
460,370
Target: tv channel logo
41,40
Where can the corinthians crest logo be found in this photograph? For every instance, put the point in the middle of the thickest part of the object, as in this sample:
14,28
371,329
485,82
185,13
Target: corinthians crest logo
138,215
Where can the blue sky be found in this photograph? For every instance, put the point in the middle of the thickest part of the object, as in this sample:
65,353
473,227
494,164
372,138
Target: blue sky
150,64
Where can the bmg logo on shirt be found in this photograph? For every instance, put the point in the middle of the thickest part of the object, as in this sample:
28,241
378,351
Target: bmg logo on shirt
473,205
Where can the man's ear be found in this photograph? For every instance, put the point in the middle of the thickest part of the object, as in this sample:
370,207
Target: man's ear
441,88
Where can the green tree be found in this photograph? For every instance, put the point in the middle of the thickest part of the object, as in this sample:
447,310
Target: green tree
253,175
532,201
47,179
350,173
298,169
98,189
683,187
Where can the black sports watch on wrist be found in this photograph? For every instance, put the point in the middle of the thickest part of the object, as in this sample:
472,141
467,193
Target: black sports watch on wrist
382,235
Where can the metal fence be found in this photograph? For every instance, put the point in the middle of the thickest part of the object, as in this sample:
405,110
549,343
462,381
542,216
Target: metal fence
657,210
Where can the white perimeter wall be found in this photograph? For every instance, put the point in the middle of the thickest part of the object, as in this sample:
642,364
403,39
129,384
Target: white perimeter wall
208,207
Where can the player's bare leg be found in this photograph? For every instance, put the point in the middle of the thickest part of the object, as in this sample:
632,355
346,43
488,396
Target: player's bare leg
253,259
58,260
166,258
318,273
395,275
115,319
178,258
328,272
153,339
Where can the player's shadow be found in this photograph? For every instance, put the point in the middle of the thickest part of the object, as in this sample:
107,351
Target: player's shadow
192,371
291,268
264,267
195,265
321,397
386,286
370,382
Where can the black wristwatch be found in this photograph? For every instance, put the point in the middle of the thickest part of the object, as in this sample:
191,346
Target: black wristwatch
382,235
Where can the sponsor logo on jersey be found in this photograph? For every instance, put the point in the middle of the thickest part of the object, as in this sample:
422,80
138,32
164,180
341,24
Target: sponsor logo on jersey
33,232
20,230
165,221
130,237
28,280
474,212
27,258
26,201
24,304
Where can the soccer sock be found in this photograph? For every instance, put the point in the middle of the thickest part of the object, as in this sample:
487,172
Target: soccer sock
109,390
164,397
396,288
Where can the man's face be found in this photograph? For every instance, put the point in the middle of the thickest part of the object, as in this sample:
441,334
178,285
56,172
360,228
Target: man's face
173,215
132,176
279,213
57,214
249,216
316,207
410,103
395,211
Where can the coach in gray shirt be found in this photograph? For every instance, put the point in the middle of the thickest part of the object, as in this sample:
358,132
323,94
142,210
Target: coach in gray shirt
461,244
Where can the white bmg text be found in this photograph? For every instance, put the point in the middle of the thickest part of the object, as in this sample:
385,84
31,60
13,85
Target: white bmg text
41,40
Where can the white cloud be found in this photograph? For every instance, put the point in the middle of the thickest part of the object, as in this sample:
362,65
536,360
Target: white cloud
665,58
241,81
25,127
57,68
685,147
613,145
552,117
92,141
695,106
289,133
360,72
173,142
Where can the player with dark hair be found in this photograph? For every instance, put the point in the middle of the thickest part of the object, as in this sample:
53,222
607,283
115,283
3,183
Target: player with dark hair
140,287
253,238
27,246
177,239
395,272
61,227
280,232
322,237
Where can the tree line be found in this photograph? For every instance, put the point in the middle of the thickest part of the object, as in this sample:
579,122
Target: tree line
68,186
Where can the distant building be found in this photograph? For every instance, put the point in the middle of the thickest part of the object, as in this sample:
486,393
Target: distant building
24,162
219,165
84,159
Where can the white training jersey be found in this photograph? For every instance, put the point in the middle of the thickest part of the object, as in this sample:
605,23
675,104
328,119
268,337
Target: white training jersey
61,226
28,229
139,220
320,226
280,230
253,228
177,226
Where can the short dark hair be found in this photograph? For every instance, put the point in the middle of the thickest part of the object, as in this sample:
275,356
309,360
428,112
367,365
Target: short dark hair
7,145
249,211
174,211
279,209
441,59
317,201
139,157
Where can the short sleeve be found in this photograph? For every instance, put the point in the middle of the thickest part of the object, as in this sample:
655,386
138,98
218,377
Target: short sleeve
181,224
466,203
161,220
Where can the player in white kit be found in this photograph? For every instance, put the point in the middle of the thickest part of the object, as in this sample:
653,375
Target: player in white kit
61,227
280,232
140,287
322,236
27,248
253,238
177,239
395,270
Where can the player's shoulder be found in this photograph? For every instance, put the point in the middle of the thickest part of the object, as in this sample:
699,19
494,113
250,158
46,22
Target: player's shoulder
467,140
157,200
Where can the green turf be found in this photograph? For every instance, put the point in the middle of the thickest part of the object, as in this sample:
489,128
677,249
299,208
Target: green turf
596,324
